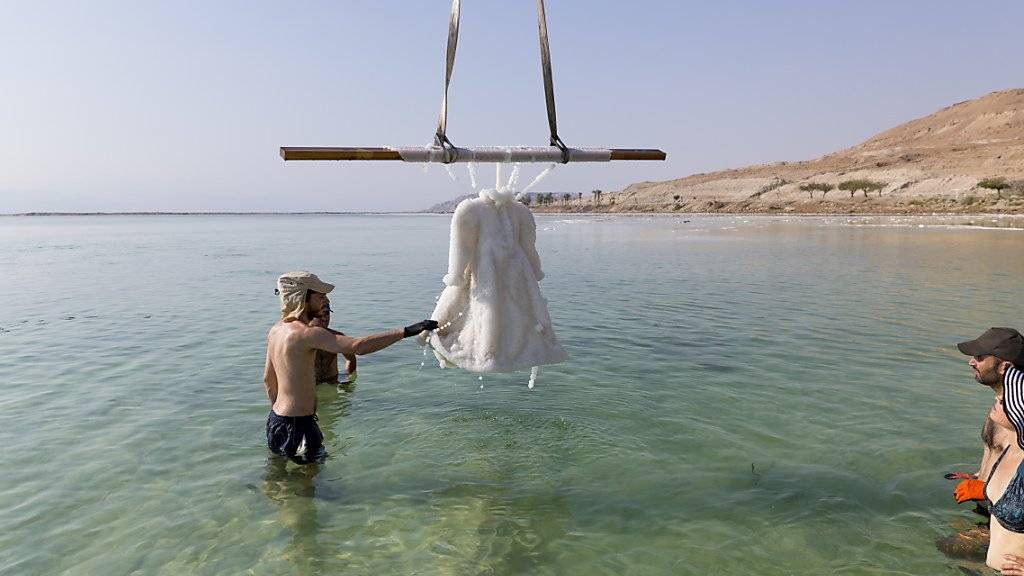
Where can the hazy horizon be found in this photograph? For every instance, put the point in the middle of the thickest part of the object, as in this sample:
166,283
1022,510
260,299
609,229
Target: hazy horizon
129,107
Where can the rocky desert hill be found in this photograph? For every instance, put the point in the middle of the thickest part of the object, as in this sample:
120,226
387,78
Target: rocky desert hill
930,164
447,207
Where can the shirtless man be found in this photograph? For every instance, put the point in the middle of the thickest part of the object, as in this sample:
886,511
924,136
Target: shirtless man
972,543
988,370
995,439
325,363
992,358
289,375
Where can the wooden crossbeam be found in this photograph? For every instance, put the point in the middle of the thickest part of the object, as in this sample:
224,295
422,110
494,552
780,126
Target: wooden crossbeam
339,154
490,154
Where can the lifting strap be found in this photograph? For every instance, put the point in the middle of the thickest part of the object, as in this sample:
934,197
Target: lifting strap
440,136
549,86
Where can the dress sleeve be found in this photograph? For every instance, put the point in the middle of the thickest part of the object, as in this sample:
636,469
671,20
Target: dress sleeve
528,241
462,246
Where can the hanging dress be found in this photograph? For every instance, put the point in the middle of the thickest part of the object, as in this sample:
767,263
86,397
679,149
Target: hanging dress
492,314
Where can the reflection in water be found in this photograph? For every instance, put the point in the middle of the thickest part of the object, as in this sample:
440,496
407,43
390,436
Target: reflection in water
967,546
333,403
293,488
493,529
494,517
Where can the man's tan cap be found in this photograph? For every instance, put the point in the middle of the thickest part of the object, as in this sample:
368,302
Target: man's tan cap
302,280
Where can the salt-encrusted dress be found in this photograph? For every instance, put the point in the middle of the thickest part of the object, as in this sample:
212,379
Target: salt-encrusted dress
498,318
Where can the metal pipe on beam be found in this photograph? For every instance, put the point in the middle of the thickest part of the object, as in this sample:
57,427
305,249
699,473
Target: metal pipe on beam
473,154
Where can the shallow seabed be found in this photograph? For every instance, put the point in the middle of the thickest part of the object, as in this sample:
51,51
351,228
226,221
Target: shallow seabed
744,395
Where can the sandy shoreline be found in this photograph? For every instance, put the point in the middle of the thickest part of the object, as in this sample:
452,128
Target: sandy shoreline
976,221
922,207
958,219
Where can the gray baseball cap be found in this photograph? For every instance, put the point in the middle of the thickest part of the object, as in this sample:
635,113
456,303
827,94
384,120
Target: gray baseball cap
1004,343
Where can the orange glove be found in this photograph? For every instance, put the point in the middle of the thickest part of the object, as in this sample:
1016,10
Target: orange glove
969,490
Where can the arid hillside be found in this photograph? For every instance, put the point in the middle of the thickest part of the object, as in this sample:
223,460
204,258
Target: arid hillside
930,164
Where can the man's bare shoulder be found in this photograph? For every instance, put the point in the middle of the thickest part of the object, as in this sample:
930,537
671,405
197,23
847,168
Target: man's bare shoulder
277,330
292,332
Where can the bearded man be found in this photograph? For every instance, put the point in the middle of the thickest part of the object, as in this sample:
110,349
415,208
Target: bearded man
290,374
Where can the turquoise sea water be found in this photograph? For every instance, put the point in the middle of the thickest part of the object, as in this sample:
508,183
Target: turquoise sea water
743,395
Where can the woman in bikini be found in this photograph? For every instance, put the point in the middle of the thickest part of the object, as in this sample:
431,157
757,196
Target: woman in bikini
1004,487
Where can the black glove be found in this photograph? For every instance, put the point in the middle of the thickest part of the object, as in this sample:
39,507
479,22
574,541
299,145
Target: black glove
419,327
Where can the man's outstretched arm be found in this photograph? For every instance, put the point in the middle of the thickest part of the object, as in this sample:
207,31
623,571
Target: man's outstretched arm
350,362
324,339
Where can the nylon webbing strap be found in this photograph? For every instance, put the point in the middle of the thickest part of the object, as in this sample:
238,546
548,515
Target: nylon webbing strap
549,87
440,138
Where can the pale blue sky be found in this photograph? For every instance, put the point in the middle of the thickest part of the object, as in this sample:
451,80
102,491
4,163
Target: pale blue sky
127,106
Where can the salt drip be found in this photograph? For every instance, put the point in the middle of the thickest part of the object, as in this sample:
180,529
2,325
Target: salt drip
448,324
513,177
537,179
451,172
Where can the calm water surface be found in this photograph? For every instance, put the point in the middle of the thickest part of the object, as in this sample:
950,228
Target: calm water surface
743,395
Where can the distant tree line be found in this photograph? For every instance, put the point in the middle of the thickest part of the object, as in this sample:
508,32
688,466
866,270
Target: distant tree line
812,187
863,185
544,199
851,186
997,183
549,198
